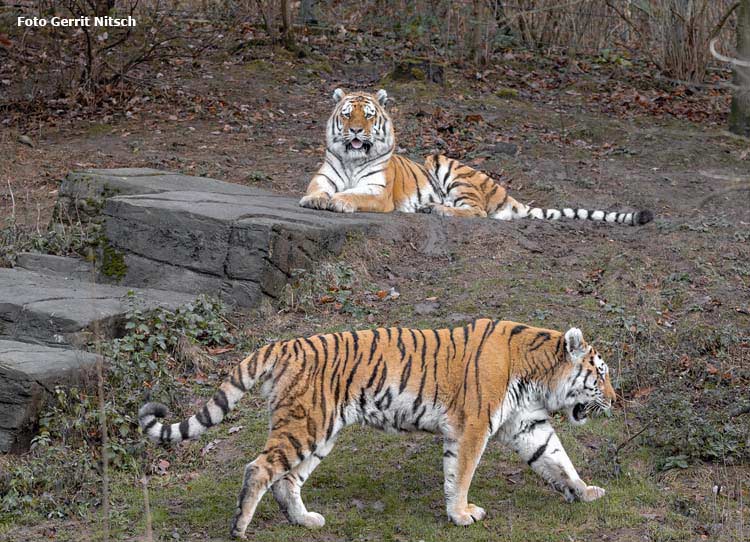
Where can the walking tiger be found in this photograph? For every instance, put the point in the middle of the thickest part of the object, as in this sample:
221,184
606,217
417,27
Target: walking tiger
467,384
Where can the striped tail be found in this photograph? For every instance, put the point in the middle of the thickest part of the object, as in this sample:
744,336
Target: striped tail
243,377
512,209
636,218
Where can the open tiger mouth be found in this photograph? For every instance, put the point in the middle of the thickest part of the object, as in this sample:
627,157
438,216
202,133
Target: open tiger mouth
580,412
357,144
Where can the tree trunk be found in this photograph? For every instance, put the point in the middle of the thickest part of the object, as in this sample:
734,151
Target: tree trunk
739,116
286,26
306,12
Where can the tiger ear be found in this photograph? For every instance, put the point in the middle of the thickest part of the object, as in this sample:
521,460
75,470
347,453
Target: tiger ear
574,343
382,97
338,95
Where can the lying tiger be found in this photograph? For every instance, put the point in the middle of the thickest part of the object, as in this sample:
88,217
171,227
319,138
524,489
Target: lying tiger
361,173
466,384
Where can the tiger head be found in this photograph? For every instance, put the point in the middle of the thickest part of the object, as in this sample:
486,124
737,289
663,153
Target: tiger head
585,387
359,128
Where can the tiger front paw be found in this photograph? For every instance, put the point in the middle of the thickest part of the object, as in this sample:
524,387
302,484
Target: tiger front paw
591,493
471,514
312,520
315,201
339,204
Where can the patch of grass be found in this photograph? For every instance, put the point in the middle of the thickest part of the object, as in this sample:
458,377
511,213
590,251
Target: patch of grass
98,129
507,93
60,476
389,487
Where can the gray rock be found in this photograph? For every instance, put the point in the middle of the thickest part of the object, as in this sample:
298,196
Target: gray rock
27,373
58,266
82,193
46,309
97,182
237,245
164,276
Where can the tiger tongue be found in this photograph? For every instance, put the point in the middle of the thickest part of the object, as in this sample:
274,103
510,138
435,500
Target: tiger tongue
356,144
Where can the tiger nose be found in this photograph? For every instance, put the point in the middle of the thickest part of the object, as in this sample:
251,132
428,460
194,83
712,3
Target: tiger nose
356,131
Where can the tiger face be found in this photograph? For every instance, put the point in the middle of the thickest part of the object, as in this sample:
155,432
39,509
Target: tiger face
359,127
587,389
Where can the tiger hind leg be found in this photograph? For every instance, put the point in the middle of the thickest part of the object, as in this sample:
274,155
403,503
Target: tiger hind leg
279,457
287,490
460,460
447,210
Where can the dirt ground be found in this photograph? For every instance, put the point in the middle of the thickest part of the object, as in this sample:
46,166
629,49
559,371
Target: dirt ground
668,303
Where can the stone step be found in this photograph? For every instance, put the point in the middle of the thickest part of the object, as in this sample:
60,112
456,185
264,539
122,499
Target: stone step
50,310
58,266
27,373
239,246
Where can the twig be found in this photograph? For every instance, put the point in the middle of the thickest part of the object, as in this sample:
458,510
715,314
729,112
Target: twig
149,536
631,438
723,20
563,141
637,30
103,423
12,203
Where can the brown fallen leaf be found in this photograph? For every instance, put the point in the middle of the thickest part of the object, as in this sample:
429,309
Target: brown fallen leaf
643,392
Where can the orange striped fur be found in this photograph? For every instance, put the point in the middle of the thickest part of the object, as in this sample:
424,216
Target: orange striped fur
466,384
360,172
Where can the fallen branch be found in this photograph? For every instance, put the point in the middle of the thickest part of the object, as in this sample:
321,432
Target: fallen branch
719,56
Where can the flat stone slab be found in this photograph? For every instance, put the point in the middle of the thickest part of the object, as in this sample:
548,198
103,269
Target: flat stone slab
27,373
58,266
98,182
46,309
239,246
83,193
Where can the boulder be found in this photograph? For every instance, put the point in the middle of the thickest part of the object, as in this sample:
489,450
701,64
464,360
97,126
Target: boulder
238,246
50,310
28,372
58,266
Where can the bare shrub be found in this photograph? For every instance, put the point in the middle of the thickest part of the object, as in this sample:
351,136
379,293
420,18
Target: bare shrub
676,33
57,65
582,24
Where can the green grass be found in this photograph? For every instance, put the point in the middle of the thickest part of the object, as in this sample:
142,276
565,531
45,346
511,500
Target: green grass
375,486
